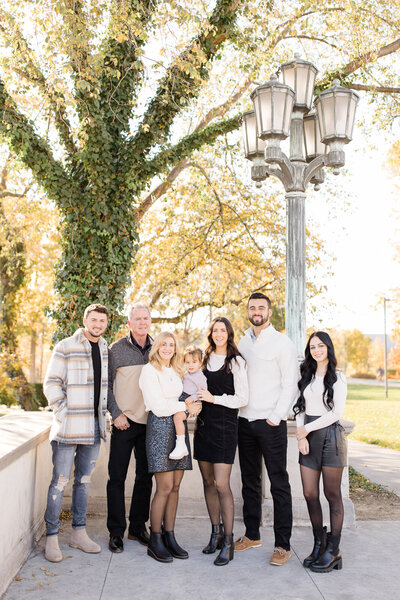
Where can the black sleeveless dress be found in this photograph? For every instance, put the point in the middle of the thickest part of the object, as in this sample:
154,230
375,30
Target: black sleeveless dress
216,433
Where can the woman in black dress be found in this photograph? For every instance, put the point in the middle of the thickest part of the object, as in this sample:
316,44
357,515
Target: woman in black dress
215,438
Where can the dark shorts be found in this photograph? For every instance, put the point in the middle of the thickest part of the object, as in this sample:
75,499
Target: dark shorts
328,447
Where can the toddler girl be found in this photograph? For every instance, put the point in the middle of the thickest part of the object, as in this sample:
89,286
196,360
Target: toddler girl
193,381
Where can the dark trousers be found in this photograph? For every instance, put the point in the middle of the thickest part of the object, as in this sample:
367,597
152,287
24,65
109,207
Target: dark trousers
257,439
122,444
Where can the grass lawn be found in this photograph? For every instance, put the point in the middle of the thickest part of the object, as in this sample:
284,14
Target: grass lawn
377,419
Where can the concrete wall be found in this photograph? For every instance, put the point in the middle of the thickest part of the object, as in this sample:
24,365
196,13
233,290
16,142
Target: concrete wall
25,470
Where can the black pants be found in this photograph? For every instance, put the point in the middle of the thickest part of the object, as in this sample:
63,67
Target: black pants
122,444
257,439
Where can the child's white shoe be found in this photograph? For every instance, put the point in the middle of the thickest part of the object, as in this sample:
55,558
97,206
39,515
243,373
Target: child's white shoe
180,449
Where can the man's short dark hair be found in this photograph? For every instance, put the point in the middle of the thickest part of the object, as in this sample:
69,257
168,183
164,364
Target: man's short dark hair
259,296
95,308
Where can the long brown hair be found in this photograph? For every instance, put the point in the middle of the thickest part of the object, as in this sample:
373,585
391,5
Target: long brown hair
155,359
231,349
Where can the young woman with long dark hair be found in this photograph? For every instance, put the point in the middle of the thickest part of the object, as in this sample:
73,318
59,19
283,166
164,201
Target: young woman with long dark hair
215,438
322,446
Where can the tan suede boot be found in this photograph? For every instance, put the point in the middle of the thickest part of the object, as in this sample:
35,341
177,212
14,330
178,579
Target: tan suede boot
81,540
52,550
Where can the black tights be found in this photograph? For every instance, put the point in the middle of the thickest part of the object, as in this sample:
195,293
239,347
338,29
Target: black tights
332,478
165,501
218,494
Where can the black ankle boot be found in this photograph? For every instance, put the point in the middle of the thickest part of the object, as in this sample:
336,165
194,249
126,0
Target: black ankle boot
330,558
226,553
319,547
172,545
156,548
216,539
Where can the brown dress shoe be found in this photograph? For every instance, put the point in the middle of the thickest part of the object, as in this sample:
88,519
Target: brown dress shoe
244,543
280,557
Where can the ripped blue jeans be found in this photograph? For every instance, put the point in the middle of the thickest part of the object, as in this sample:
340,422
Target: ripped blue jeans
84,457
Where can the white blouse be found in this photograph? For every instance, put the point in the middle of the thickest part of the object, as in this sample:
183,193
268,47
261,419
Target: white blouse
161,390
313,395
240,382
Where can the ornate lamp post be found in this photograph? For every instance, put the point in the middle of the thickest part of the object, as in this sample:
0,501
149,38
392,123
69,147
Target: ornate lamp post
316,138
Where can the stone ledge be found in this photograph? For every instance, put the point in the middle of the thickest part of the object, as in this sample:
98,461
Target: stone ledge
21,432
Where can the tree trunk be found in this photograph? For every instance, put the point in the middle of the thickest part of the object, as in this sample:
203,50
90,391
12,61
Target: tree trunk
98,249
32,366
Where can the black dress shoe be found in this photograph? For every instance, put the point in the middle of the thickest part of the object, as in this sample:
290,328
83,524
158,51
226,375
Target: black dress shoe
116,543
140,536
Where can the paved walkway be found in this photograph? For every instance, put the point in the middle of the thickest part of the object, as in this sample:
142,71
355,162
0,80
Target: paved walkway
391,382
369,569
380,465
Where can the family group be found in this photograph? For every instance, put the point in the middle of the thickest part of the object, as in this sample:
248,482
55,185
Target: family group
241,396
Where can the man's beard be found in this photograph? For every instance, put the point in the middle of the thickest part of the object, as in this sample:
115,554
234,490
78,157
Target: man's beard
258,320
95,335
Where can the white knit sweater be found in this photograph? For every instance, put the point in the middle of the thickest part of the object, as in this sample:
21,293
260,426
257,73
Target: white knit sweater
161,390
272,371
313,395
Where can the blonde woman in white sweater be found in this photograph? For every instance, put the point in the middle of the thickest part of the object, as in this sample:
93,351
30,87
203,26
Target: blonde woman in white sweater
161,385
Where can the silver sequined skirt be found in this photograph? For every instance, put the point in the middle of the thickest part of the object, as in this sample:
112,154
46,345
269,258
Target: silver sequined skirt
160,441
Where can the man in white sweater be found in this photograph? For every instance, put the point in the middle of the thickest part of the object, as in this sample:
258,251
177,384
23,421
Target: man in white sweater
272,372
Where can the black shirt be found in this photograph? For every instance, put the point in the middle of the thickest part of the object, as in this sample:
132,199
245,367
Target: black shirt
96,360
143,349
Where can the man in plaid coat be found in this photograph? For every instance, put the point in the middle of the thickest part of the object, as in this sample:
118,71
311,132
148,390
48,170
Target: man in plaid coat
75,386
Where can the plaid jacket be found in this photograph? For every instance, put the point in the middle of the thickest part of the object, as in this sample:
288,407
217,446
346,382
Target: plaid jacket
69,389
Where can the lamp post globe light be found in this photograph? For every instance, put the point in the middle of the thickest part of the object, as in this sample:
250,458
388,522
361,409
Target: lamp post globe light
317,137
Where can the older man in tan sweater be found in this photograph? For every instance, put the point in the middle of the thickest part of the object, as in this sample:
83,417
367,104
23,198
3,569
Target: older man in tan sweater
125,403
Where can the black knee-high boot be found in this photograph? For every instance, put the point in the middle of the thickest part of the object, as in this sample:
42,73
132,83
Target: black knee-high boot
226,553
216,539
330,558
318,549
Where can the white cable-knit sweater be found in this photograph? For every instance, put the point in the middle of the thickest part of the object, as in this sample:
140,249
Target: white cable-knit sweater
161,390
272,371
313,395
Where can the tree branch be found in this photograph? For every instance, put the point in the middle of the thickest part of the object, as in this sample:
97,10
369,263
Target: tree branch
373,88
310,37
357,63
33,151
183,80
79,49
163,187
29,69
219,111
236,302
158,191
183,149
9,194
122,62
